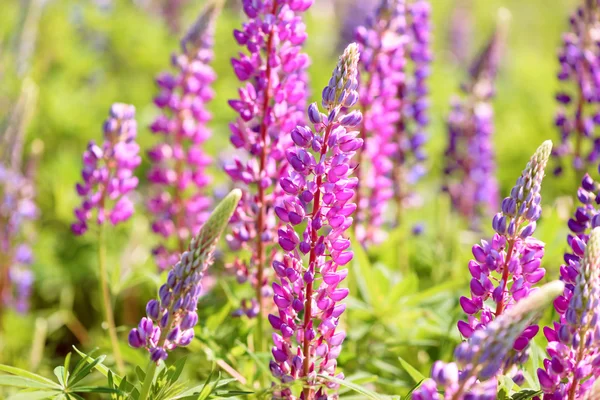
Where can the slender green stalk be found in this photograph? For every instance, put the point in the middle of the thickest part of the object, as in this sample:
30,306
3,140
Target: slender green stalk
148,381
108,312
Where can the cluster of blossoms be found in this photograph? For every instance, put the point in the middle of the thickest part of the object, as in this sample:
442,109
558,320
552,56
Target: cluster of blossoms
171,318
108,172
16,207
178,173
270,102
319,193
470,160
482,357
505,268
393,99
579,101
574,341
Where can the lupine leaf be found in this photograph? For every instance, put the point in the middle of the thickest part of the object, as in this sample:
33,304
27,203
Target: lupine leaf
21,382
354,387
30,375
412,371
526,394
33,395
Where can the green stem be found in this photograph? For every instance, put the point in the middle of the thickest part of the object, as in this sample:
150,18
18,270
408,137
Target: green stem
108,312
148,381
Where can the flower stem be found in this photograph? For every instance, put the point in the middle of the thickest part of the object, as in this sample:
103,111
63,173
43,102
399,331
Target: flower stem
148,381
110,320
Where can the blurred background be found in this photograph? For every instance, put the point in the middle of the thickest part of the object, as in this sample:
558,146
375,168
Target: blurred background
69,60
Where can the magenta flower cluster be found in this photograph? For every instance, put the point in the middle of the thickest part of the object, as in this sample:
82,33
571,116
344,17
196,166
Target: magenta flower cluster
486,353
574,341
319,193
395,58
108,172
179,202
579,97
470,168
505,269
270,103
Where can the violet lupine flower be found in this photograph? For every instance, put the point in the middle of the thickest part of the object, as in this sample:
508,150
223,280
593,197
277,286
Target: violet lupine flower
355,14
270,102
17,206
108,172
574,344
505,268
460,31
479,359
394,102
170,319
319,193
579,99
470,171
178,175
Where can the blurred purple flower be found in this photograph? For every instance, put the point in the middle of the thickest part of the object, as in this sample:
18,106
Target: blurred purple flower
579,98
395,58
271,100
179,203
319,193
470,160
108,172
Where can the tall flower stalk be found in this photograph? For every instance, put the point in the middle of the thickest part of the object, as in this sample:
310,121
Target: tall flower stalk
17,204
107,180
178,175
483,356
470,170
579,98
505,268
574,341
319,190
170,319
270,103
395,58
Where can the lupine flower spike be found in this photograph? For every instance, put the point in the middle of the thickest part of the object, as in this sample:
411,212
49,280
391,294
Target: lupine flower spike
319,191
579,98
170,319
270,103
179,202
470,171
17,205
483,356
108,172
574,344
395,57
505,268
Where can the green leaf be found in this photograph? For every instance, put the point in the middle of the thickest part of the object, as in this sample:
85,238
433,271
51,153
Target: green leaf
21,382
59,372
38,395
412,371
354,387
409,394
30,375
526,394
80,373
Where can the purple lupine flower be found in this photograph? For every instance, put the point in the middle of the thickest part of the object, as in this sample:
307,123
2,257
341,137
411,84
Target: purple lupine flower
319,193
470,178
170,319
460,31
354,14
17,206
479,359
579,98
505,268
394,102
178,175
270,102
108,172
574,342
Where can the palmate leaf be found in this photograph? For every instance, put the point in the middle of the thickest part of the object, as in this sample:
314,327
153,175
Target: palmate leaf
526,394
29,375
